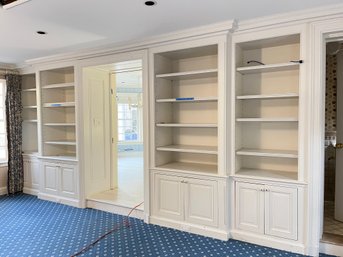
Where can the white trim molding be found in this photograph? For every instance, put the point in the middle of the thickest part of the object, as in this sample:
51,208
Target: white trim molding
3,190
316,128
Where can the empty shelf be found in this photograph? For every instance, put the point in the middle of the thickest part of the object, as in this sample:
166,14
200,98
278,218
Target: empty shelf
268,96
267,153
59,85
189,74
62,104
60,142
268,68
187,99
187,125
60,124
60,157
30,121
189,149
29,90
268,174
187,166
30,107
268,119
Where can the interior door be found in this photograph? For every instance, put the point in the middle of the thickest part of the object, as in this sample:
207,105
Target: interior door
339,145
97,130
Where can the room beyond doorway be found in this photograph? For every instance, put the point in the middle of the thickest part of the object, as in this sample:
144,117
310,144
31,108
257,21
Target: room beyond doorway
122,182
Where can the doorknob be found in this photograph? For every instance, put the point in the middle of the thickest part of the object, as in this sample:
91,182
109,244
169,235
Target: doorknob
339,146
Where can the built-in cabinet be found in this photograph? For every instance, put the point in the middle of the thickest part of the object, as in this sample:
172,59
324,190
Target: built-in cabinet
267,209
31,174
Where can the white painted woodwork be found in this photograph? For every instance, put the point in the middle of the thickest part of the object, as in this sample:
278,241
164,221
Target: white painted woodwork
267,209
269,96
189,167
189,74
98,133
281,213
189,149
201,202
50,178
267,153
268,174
250,207
268,68
339,140
168,197
68,180
31,174
187,99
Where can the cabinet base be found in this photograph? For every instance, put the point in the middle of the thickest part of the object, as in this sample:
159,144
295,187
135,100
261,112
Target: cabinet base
30,191
191,228
58,199
263,240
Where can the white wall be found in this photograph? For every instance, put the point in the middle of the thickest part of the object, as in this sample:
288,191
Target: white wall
3,180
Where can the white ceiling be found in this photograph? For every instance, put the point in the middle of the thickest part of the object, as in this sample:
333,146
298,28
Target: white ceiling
75,24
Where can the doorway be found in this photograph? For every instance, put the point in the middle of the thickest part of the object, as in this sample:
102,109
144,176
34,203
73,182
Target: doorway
333,188
115,173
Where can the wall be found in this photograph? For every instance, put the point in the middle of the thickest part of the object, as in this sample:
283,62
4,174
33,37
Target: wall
3,180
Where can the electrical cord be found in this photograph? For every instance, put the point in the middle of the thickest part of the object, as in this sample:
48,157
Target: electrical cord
125,224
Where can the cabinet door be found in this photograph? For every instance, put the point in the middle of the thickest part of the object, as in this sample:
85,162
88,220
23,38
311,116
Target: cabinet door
35,175
168,197
250,207
68,180
27,174
50,180
201,202
281,212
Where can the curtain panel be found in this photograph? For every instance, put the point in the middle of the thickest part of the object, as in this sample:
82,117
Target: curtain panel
14,134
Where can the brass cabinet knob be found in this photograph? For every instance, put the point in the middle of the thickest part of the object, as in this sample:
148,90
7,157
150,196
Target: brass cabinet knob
339,146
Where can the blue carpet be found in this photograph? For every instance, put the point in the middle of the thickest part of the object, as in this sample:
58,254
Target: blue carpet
32,227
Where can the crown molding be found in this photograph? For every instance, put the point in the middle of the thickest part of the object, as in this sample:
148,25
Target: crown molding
307,15
139,44
7,66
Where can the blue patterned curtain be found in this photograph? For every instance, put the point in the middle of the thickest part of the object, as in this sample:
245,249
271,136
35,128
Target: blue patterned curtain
14,134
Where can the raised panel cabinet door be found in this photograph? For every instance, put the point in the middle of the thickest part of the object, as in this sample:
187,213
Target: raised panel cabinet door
281,212
68,180
201,202
27,174
168,197
250,207
50,178
35,174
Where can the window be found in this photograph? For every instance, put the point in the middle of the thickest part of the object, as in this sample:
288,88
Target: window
129,112
3,135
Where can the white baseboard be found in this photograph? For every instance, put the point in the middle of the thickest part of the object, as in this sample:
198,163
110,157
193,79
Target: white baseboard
3,190
331,249
58,199
191,228
285,245
30,191
112,208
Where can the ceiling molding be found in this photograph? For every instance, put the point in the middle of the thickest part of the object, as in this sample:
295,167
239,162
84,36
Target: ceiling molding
198,32
7,66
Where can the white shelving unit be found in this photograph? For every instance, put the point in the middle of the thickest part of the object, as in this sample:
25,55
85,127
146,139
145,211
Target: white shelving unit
29,114
58,113
266,108
186,110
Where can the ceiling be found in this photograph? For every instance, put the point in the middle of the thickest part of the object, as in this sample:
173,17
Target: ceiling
75,24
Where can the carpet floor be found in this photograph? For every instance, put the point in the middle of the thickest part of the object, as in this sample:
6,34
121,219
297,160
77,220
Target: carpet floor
32,227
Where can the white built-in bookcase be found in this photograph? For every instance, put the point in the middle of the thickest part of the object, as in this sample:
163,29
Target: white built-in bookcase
266,107
185,109
29,114
58,112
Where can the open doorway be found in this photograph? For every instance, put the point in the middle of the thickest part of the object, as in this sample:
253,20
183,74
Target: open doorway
115,148
333,188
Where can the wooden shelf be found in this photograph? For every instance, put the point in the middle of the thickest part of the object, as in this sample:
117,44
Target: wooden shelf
269,96
29,90
60,157
188,125
189,149
267,174
30,121
59,85
192,167
30,107
61,142
267,119
187,99
189,74
268,68
267,153
61,104
60,124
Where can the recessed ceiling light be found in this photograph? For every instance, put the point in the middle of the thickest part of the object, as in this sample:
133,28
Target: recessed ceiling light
40,32
150,3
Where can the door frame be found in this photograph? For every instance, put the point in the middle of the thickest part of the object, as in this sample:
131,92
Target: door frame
319,32
102,60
